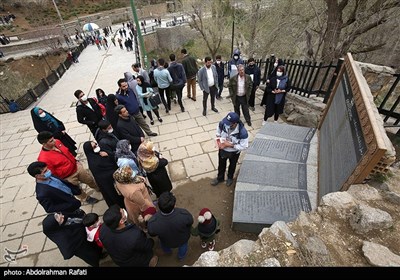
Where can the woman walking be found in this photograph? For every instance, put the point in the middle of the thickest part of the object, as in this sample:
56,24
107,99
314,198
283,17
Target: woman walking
144,91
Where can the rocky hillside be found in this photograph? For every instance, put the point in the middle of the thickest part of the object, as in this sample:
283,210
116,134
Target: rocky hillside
360,227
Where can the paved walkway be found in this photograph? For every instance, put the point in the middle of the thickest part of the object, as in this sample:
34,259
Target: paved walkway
185,139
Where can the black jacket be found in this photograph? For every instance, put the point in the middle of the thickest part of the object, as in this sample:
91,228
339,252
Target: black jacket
128,129
88,116
220,71
107,142
69,238
128,246
173,229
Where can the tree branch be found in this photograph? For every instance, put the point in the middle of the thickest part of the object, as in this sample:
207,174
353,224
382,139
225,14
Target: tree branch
352,17
342,5
368,49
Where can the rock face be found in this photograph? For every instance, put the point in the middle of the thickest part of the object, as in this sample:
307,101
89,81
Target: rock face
365,219
378,255
330,236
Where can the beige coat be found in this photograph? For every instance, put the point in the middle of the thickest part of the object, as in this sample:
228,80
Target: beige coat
136,199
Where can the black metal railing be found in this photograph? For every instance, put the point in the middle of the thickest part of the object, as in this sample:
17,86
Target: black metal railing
307,77
389,107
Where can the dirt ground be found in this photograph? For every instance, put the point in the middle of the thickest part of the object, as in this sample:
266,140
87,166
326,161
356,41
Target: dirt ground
194,196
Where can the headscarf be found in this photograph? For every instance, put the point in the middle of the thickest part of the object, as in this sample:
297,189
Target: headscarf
46,118
147,156
111,116
143,84
124,175
123,150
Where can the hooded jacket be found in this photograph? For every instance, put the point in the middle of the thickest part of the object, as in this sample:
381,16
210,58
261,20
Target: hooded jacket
232,71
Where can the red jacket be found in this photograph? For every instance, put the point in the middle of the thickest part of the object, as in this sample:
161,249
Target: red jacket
62,164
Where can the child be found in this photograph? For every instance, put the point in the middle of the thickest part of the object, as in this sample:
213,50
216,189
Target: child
207,228
93,224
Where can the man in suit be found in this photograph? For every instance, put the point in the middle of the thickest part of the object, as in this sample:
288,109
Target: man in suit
54,194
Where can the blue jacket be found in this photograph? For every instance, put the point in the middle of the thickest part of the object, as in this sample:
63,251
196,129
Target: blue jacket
128,99
55,200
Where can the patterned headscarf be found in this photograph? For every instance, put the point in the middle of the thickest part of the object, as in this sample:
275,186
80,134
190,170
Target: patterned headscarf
147,156
123,175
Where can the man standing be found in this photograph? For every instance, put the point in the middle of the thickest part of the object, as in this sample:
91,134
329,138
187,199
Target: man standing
232,138
87,111
190,66
54,194
255,74
125,242
171,225
64,165
220,66
208,82
127,97
138,71
239,92
178,76
128,128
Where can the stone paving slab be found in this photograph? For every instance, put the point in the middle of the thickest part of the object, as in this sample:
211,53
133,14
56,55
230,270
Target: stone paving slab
277,178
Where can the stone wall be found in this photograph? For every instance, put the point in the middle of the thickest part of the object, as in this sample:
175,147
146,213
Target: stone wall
151,41
379,78
174,38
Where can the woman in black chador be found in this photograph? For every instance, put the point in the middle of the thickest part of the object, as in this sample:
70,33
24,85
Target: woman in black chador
44,121
102,167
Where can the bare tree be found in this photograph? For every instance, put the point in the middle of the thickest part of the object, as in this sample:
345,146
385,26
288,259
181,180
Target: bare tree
209,19
252,24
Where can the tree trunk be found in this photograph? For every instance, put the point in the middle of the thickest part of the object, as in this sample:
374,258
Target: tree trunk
333,29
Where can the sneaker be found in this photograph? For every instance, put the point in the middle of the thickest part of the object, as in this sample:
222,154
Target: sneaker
264,122
160,120
215,182
214,109
229,182
203,244
252,109
91,200
153,261
183,109
152,122
211,245
204,112
275,121
153,134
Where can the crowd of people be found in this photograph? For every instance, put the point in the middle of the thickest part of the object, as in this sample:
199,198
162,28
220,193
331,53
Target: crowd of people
125,166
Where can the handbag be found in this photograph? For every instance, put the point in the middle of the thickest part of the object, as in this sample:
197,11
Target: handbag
102,107
155,99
